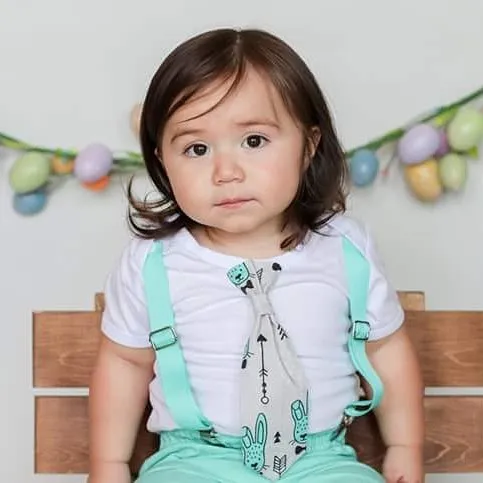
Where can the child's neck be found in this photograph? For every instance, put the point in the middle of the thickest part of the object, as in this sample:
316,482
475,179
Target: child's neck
262,243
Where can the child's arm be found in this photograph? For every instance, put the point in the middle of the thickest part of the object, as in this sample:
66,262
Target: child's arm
400,414
117,400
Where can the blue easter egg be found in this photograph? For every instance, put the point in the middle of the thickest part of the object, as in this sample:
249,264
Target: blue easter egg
363,167
30,203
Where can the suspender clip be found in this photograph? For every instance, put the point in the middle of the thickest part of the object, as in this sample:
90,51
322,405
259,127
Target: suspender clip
360,330
162,338
209,436
344,424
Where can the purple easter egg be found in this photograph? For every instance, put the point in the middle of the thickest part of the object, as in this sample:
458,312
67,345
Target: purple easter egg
418,144
443,147
93,163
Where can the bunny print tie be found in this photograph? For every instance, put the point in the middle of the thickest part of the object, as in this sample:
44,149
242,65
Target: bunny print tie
274,391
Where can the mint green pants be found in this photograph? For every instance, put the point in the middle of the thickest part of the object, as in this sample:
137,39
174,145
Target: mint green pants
188,457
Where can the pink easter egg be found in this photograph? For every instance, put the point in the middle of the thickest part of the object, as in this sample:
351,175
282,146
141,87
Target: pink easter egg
443,147
93,163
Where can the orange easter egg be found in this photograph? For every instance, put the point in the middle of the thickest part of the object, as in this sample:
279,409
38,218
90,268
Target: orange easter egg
423,180
61,165
99,185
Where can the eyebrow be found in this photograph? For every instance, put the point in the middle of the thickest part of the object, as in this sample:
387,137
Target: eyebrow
248,123
185,132
259,122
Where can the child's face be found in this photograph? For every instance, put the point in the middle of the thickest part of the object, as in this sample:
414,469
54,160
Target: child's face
237,168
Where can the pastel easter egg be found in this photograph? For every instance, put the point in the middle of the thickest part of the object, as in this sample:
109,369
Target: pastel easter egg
418,144
29,172
423,180
465,131
93,163
363,167
61,165
443,147
30,203
99,185
453,171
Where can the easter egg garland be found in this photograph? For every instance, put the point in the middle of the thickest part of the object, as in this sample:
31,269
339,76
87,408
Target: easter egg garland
433,152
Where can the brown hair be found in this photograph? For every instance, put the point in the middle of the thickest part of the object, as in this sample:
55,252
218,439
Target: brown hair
225,54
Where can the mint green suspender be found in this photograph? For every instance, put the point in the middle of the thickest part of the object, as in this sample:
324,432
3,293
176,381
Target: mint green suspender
171,367
358,276
170,364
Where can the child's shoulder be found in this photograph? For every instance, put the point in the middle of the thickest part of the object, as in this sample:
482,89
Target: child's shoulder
137,249
349,227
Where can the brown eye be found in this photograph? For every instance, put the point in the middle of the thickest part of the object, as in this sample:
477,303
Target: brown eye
255,141
196,150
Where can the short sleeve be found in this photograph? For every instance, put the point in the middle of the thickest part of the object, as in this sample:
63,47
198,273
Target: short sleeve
384,311
125,319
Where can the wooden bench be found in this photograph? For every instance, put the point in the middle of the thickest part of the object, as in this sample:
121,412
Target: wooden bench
450,346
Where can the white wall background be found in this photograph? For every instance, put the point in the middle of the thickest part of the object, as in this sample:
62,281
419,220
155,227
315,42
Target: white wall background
70,72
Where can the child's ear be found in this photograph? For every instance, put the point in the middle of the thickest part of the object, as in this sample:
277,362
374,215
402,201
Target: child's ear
314,140
158,154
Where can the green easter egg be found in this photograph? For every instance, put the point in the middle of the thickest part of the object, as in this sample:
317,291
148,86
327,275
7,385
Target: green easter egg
29,172
465,131
453,171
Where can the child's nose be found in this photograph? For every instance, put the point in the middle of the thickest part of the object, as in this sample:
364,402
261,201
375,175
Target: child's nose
226,169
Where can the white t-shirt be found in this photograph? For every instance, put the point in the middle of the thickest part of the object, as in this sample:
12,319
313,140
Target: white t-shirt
213,319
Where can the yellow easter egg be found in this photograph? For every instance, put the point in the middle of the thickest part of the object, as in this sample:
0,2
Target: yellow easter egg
61,165
423,180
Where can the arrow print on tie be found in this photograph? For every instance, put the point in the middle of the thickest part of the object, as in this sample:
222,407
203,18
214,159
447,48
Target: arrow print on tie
263,371
281,332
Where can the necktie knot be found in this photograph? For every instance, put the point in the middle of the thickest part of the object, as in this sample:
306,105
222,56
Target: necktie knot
261,304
